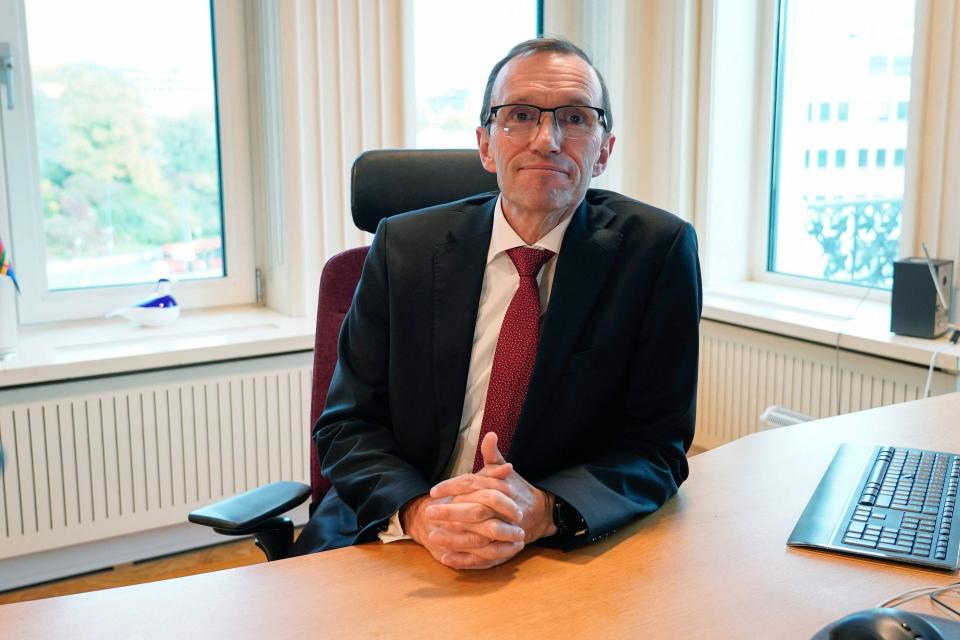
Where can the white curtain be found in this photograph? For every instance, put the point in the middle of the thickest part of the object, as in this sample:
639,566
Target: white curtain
330,85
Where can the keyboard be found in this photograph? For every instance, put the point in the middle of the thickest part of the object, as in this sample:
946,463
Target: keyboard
893,503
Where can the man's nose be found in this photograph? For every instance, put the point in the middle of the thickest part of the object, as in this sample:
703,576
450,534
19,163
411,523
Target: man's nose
547,136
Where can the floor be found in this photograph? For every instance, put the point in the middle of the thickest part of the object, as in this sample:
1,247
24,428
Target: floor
223,556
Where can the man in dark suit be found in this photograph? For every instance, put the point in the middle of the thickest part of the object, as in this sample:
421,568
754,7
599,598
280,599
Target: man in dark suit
516,366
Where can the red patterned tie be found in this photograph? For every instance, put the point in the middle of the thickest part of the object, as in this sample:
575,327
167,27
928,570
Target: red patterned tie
516,351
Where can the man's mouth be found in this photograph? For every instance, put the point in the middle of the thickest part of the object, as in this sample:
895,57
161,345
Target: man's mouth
543,167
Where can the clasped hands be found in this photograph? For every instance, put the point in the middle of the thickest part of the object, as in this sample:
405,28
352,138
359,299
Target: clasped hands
479,520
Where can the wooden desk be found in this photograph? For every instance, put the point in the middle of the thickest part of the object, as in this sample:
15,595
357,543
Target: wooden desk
712,563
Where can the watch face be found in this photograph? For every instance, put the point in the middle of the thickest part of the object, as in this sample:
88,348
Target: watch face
560,516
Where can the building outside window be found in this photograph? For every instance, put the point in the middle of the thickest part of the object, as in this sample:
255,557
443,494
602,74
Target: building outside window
829,223
452,58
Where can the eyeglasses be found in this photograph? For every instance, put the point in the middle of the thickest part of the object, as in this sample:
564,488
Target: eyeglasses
523,120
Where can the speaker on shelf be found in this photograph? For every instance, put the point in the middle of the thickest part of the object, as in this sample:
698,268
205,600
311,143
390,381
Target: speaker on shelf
916,309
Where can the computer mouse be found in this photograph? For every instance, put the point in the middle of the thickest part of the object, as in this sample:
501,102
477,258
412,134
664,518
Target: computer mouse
890,624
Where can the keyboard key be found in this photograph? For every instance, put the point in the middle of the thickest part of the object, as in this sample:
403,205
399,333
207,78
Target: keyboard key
860,542
896,548
856,527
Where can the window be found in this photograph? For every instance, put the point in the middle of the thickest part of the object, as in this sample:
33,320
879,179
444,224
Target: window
902,110
881,158
448,87
898,157
901,66
806,159
118,110
828,54
822,159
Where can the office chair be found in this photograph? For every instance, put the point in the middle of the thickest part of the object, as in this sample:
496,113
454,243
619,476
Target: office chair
383,183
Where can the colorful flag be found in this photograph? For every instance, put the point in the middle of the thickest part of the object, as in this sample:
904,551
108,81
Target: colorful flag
6,266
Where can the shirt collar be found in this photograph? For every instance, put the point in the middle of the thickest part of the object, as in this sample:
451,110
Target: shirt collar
504,237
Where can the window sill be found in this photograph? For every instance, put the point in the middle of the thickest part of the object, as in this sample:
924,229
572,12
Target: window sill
826,319
67,351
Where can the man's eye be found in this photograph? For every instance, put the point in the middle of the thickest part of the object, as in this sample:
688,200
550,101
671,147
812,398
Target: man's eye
575,117
522,115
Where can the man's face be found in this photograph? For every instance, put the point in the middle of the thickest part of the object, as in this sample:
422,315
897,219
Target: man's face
544,172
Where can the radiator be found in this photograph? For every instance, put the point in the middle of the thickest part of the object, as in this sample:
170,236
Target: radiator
97,459
743,371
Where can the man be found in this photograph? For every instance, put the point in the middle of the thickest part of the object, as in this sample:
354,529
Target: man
518,367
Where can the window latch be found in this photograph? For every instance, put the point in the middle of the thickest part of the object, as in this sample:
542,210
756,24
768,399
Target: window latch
6,72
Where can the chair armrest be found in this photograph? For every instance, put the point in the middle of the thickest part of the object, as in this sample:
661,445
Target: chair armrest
242,514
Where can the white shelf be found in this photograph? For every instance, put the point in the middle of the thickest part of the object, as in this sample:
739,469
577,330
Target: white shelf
825,319
67,351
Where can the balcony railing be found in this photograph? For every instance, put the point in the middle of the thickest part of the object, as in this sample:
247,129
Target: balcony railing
860,239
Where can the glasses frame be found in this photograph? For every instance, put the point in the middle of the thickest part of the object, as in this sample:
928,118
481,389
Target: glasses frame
492,113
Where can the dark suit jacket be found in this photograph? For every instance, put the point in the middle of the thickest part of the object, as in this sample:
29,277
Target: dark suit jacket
609,412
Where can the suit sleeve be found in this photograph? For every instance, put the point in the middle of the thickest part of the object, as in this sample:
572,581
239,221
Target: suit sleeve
357,451
644,462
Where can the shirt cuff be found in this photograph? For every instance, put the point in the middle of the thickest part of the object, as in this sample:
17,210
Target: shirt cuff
394,531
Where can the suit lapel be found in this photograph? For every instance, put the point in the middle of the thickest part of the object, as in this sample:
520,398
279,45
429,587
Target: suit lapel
458,265
587,252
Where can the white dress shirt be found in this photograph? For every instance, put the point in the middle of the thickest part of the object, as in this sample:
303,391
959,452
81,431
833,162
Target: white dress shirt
500,282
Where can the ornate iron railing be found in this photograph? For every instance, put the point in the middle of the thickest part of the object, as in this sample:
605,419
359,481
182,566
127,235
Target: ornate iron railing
860,238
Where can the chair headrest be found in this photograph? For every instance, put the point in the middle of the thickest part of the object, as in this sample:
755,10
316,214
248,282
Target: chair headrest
385,182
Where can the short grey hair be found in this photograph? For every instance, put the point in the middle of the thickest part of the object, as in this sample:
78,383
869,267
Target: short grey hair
544,45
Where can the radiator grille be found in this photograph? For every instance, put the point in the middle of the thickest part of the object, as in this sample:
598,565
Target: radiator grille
92,466
743,371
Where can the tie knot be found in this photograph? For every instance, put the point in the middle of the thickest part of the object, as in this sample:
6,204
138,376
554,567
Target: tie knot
528,260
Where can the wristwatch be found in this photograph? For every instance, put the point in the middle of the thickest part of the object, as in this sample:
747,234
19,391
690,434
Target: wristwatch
570,524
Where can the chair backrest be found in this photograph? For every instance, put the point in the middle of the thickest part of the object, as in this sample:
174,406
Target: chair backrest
383,183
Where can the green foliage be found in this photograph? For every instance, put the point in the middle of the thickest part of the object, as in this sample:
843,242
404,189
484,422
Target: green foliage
115,176
860,238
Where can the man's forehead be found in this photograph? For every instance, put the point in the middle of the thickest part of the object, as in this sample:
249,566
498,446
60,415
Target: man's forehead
547,71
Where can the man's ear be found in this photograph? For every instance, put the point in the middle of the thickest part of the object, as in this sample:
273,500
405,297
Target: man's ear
606,148
483,143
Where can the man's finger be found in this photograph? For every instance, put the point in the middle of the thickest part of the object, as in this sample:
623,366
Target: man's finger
468,483
489,451
473,537
478,506
489,556
501,471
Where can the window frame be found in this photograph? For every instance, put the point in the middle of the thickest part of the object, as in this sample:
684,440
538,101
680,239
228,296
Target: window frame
25,232
772,30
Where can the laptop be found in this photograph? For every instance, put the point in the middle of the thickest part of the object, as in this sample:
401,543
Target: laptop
887,503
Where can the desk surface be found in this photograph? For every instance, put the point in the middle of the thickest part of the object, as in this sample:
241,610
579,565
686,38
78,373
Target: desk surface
712,563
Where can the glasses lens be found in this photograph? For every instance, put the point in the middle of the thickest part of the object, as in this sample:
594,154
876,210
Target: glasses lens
518,120
577,122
